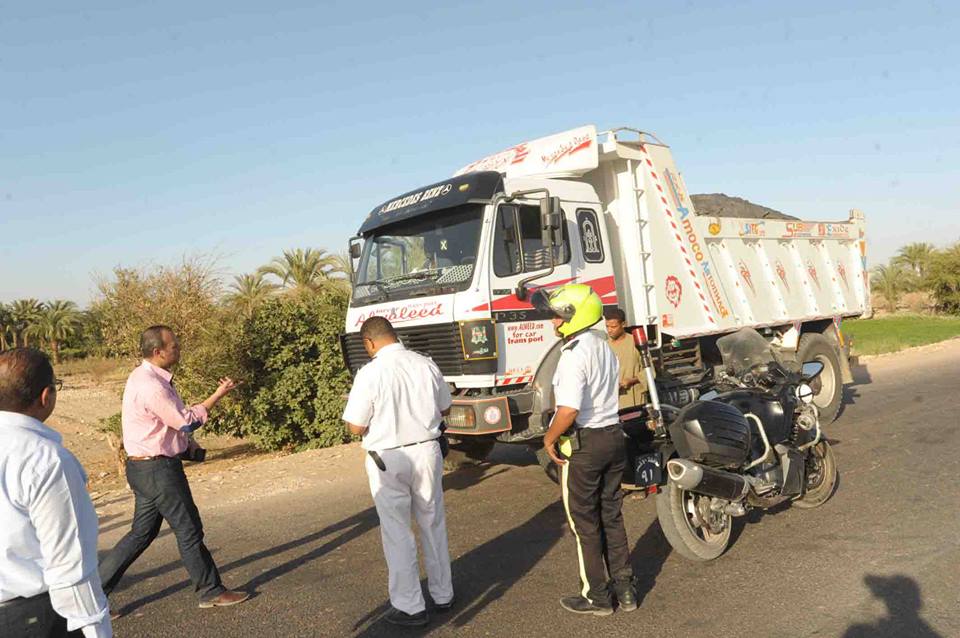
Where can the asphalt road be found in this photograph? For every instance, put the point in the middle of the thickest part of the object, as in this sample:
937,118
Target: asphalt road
882,558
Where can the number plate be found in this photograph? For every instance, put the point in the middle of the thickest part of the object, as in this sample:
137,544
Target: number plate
648,470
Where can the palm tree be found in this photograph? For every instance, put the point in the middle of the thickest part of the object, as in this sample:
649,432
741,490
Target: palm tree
915,257
59,320
890,281
303,269
6,327
339,271
25,313
339,266
249,291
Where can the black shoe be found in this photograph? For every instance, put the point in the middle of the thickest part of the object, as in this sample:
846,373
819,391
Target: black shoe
397,617
581,605
444,606
626,596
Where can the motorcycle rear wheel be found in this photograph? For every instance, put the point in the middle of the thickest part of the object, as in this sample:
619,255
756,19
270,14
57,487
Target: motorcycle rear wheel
681,516
821,477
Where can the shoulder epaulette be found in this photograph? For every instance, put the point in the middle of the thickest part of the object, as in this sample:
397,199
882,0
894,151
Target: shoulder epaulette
570,346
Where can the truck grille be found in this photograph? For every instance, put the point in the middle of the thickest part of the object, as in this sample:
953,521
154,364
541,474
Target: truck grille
440,342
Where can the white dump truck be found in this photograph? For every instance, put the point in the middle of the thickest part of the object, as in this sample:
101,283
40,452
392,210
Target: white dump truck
453,265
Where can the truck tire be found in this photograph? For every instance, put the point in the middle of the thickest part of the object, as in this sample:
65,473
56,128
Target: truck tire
468,451
549,467
828,386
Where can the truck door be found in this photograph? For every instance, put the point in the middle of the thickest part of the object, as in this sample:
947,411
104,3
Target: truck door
519,253
591,258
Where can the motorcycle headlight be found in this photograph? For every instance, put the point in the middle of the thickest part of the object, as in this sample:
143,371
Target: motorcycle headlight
805,393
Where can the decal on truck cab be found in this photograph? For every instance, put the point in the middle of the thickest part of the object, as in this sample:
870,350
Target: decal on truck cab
401,314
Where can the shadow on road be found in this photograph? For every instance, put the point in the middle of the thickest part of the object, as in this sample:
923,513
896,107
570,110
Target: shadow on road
901,595
484,574
648,556
861,376
347,530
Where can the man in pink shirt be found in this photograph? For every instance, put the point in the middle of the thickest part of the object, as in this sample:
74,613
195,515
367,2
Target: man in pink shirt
156,433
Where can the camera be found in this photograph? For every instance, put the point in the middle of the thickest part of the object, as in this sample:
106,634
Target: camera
196,455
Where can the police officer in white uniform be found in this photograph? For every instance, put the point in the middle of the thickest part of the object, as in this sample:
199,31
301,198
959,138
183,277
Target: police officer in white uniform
591,451
397,404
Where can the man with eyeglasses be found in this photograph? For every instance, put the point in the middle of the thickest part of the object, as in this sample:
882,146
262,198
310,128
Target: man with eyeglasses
49,586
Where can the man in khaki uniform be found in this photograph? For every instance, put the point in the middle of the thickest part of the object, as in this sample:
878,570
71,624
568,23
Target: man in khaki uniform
633,383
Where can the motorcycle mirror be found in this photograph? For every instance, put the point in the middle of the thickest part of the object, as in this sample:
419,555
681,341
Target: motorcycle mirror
811,369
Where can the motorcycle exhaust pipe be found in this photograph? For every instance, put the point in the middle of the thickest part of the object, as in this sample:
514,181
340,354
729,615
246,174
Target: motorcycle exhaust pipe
694,477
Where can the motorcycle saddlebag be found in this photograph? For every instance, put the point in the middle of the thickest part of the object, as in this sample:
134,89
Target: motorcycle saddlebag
712,433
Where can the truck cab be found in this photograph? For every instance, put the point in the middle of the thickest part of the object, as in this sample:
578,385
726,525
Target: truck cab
452,266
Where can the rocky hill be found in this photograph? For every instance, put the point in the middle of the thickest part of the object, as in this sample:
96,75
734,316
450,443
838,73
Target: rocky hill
720,205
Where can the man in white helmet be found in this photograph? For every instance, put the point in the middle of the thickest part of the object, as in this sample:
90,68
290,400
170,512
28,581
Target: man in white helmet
591,452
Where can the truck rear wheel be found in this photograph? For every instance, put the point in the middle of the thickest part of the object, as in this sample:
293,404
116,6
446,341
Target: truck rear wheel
828,386
468,451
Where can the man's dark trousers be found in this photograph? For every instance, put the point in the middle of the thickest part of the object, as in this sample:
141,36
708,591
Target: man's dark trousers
162,493
33,617
592,497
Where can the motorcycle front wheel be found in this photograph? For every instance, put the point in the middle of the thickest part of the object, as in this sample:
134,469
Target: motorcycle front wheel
690,526
821,477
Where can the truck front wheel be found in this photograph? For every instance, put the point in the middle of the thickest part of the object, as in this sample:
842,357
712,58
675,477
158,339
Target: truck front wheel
828,386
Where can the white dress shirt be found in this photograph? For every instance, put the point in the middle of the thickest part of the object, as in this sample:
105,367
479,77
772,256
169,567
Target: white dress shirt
48,535
588,380
399,396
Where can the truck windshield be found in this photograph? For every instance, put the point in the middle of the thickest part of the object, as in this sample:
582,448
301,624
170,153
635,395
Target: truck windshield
438,251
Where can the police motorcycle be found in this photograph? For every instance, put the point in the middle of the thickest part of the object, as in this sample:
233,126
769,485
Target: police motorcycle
752,440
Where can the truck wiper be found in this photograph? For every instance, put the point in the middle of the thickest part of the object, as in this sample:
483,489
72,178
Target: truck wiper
380,288
420,274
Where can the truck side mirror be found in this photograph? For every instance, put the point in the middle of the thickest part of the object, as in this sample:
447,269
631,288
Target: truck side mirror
354,250
551,219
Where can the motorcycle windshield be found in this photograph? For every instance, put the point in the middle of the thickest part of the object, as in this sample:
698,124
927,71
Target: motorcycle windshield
744,349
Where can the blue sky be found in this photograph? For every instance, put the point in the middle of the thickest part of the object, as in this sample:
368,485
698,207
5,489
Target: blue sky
134,133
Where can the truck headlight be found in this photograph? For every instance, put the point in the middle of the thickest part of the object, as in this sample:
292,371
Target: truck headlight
461,417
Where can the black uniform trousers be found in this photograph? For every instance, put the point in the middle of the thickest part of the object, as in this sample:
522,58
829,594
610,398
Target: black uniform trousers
33,617
161,492
592,498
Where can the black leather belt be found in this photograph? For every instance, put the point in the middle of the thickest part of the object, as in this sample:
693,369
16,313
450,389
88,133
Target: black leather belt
410,444
14,602
606,428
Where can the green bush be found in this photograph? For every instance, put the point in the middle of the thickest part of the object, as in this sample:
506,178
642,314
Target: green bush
943,279
288,356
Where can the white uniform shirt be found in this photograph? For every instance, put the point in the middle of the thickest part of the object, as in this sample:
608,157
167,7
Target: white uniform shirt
48,534
399,395
588,380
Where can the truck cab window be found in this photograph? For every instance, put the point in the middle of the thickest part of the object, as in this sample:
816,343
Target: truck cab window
518,245
437,251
